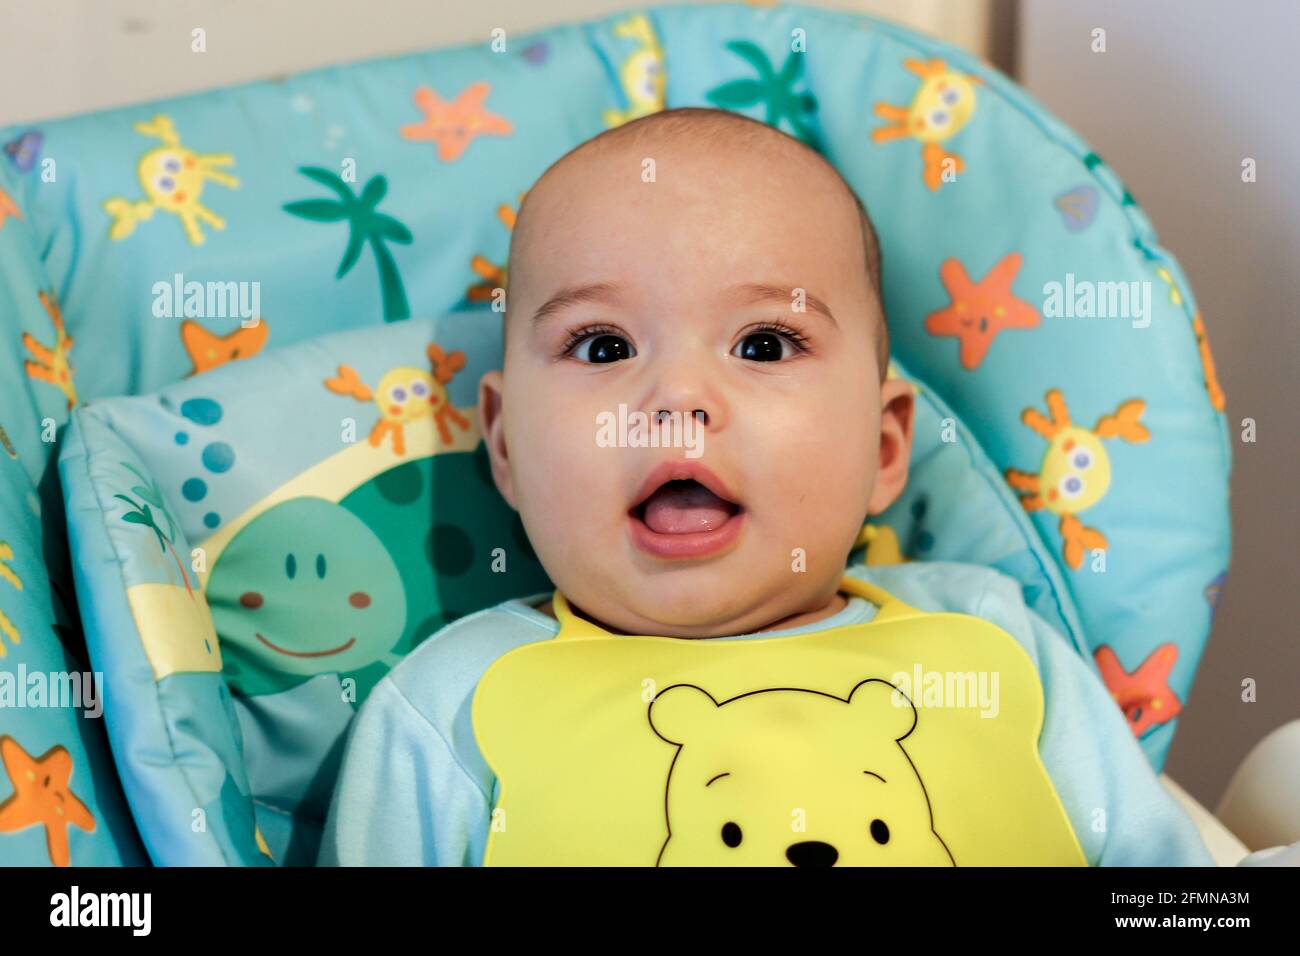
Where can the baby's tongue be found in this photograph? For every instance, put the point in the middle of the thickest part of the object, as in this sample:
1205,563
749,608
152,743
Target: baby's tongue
683,507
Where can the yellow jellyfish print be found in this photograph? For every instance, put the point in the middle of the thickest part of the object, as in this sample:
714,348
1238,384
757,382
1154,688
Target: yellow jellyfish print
1075,472
405,395
52,365
940,110
173,178
642,73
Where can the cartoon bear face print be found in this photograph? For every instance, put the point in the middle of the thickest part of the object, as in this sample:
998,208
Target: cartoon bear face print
787,776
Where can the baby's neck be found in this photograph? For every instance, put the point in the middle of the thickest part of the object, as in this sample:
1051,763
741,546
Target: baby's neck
836,604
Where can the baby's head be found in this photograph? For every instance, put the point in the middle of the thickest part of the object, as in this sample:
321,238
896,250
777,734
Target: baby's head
702,264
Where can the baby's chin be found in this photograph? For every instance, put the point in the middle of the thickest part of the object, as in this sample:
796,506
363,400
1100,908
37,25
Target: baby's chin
675,608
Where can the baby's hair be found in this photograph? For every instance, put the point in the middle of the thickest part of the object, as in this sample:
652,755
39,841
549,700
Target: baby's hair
704,126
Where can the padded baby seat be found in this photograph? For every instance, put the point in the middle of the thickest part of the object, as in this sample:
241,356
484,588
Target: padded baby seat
294,493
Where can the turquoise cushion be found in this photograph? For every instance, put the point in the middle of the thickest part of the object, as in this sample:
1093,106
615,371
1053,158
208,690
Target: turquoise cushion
258,546
53,750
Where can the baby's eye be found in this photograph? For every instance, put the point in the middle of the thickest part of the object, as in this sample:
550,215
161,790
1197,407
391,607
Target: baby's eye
602,348
767,345
165,183
1082,460
398,394
172,164
939,117
418,389
950,97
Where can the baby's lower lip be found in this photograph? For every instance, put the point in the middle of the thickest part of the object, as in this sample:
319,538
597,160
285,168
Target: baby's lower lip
695,544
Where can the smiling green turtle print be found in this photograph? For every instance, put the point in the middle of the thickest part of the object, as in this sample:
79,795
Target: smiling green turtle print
305,589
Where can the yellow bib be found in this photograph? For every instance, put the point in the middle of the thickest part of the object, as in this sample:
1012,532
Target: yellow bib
909,740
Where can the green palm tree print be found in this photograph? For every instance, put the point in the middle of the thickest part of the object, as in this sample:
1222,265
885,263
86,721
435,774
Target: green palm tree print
366,226
775,91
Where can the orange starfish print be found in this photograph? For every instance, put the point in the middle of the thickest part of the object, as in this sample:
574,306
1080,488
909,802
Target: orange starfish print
1144,695
980,310
207,350
8,208
41,795
453,125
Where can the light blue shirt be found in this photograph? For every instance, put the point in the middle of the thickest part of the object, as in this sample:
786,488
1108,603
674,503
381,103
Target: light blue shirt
414,789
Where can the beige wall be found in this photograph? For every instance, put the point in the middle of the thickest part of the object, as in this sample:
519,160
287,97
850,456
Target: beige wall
69,56
1185,90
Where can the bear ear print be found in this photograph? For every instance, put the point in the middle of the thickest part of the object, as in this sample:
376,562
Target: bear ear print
878,701
678,712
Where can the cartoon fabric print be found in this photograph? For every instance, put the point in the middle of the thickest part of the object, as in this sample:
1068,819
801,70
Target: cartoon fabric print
25,150
1212,387
173,178
306,588
207,350
941,108
881,542
453,126
8,208
824,748
642,73
366,226
980,310
1214,590
846,769
53,365
772,89
1078,207
493,275
143,513
1075,473
42,797
7,628
407,394
1144,695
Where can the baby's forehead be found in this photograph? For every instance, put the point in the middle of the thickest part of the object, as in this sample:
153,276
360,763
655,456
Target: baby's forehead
774,180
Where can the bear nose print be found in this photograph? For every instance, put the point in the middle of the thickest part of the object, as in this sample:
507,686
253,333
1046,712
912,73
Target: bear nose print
251,600
359,599
812,853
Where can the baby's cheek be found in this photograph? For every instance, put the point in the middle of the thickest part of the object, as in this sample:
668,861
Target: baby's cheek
568,482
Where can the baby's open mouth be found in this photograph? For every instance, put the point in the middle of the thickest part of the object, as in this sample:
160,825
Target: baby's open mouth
684,511
685,506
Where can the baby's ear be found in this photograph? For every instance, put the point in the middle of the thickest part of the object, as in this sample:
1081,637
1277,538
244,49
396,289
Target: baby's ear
897,410
492,421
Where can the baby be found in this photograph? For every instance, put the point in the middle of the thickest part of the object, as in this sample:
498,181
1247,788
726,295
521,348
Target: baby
702,268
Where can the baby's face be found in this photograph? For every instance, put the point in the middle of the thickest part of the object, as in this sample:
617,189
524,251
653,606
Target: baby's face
676,296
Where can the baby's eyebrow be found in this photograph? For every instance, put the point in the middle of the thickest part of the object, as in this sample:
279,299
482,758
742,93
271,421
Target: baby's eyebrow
592,292
749,292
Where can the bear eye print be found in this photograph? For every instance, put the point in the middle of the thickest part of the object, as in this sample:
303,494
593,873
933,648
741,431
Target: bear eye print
731,834
880,831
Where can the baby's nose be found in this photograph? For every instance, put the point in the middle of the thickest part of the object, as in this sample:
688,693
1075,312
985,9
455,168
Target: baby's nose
699,414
